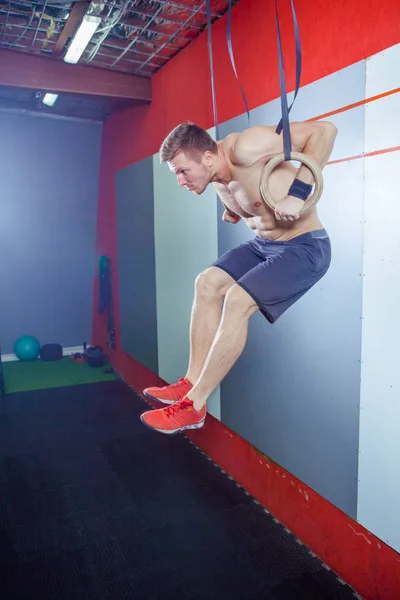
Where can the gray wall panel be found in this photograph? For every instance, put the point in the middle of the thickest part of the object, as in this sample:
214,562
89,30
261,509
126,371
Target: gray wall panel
294,392
340,89
49,172
136,262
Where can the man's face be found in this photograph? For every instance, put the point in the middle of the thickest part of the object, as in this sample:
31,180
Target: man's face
193,175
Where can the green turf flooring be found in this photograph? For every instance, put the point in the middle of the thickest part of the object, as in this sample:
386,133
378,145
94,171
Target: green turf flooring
40,375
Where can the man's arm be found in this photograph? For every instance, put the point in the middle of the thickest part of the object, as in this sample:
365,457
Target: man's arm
319,143
315,139
229,216
259,144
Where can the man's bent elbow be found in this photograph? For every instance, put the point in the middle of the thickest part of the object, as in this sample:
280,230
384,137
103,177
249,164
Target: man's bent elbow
329,127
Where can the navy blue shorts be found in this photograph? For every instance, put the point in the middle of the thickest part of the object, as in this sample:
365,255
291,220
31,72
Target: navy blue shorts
276,274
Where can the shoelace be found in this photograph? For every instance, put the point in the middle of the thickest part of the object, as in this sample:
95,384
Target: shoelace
178,407
178,383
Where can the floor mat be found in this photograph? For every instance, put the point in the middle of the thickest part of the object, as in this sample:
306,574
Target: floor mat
95,506
39,375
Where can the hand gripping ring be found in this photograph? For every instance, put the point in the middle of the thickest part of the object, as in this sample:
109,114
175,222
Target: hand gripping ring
305,160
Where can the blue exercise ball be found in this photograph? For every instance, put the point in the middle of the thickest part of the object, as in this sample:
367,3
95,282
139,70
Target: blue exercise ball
26,348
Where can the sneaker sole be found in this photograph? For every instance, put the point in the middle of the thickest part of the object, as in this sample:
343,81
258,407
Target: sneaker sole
159,399
173,431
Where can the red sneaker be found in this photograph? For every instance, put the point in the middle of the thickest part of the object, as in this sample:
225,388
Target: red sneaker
170,393
174,418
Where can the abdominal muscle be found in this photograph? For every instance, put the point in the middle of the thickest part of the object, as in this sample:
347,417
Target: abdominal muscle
242,197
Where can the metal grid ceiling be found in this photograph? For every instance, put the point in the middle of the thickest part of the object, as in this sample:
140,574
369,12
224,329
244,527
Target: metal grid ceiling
135,36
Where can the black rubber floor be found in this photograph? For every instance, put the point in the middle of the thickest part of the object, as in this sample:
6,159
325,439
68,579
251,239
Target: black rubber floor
93,505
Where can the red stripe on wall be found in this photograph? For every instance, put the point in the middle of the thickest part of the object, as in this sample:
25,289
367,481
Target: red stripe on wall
384,151
374,153
355,105
334,36
360,558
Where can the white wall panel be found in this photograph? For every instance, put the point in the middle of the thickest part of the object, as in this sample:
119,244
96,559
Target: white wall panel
383,73
379,481
383,115
383,130
379,446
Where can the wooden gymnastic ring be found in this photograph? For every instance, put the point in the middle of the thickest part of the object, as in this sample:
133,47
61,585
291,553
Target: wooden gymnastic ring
305,160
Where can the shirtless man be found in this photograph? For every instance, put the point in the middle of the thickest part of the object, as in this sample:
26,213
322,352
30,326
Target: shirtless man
290,252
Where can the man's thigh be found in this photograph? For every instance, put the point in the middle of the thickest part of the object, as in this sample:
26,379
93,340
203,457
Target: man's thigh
277,283
240,260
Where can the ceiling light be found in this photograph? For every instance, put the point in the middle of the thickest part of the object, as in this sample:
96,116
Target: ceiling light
50,99
82,38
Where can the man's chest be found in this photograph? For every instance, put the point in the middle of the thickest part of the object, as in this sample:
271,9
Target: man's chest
242,195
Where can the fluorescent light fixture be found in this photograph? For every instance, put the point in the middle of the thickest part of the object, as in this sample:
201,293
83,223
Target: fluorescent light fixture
50,99
82,38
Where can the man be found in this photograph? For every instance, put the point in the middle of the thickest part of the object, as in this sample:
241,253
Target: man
290,252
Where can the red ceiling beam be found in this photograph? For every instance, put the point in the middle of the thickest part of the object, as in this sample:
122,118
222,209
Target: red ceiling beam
29,71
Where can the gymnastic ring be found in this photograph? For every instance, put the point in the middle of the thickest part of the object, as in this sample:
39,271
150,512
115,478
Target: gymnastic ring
305,160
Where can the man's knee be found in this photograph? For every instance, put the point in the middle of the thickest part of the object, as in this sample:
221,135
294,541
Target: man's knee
213,282
239,302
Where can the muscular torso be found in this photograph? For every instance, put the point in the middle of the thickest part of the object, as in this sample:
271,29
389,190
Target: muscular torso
242,197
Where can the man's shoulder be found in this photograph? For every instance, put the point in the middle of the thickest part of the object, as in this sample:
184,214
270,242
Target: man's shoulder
228,144
254,143
230,140
248,134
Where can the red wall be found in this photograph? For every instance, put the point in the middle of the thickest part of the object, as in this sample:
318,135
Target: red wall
334,35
